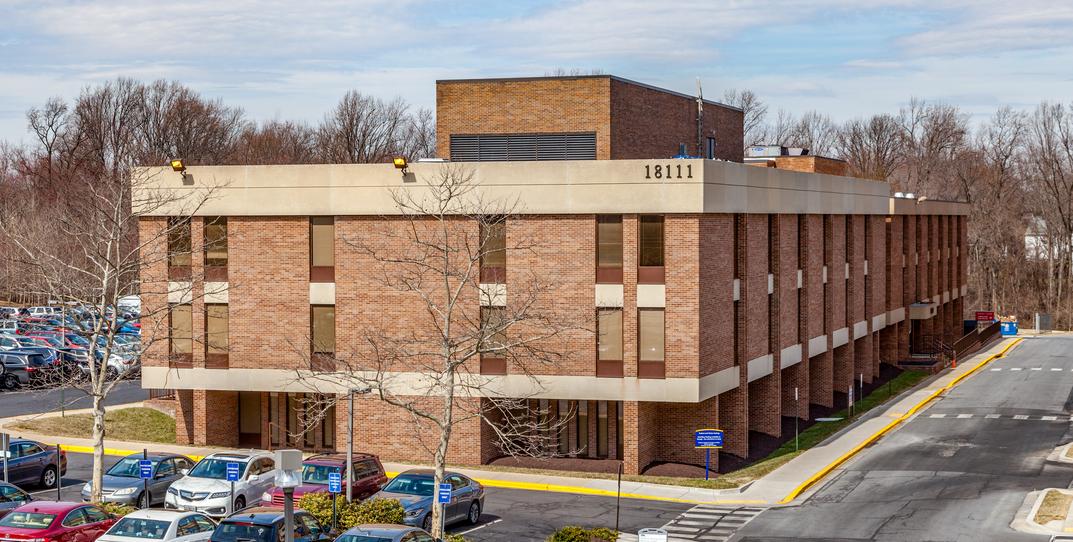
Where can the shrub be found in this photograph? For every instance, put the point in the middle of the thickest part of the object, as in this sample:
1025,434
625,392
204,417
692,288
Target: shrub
115,508
573,533
319,505
454,538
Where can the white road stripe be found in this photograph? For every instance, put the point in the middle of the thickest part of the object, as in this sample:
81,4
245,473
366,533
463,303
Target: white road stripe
1020,417
964,416
1056,368
937,416
1049,418
996,369
1015,368
1037,368
993,416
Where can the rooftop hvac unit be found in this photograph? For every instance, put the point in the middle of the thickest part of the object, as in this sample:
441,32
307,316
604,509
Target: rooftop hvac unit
765,151
797,151
899,194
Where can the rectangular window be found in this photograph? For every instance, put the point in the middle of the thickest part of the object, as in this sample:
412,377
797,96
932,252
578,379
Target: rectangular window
493,358
650,334
322,323
609,342
216,249
493,251
181,327
609,249
216,338
601,428
179,246
650,254
711,149
583,428
322,249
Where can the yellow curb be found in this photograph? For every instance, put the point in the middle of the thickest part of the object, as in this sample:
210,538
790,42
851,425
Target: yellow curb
110,451
894,423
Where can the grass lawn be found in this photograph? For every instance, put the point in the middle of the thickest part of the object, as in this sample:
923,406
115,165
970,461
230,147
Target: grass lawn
132,424
808,438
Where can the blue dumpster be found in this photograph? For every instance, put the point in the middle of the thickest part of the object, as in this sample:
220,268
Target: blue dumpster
1008,329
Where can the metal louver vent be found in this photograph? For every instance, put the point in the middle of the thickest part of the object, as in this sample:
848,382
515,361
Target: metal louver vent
520,147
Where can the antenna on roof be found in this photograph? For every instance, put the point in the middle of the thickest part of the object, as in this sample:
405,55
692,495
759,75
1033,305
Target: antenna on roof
700,116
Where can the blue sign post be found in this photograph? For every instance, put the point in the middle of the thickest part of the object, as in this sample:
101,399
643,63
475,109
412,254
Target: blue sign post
335,487
145,469
234,472
443,497
708,439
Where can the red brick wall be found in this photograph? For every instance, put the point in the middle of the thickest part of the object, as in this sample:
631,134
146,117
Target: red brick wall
649,123
675,425
716,283
268,276
395,435
524,106
153,275
682,268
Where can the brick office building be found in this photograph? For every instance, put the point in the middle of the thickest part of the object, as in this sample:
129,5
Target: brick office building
711,295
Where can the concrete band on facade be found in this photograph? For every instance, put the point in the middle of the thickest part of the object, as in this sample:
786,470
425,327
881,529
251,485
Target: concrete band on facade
560,187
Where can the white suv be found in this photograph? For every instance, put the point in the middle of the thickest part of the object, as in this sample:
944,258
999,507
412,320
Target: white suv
205,488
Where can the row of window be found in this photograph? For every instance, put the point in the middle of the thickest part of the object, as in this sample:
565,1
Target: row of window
493,260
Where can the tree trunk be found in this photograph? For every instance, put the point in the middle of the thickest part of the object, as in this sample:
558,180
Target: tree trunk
98,447
437,531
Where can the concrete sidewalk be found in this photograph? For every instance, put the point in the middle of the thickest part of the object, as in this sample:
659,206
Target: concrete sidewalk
793,481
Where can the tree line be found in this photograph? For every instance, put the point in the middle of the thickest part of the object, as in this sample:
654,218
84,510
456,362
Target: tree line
1015,168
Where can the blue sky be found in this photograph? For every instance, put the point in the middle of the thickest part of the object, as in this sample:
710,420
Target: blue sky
294,59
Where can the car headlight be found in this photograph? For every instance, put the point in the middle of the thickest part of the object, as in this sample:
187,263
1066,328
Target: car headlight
173,491
125,491
266,497
220,495
414,512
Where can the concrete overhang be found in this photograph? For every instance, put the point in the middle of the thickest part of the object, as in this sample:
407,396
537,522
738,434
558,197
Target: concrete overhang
922,310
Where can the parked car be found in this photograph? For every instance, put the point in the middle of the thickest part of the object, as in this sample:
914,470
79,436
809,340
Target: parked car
39,312
384,533
206,489
13,372
415,489
30,462
59,521
368,477
8,342
266,525
123,482
40,369
12,497
164,525
9,326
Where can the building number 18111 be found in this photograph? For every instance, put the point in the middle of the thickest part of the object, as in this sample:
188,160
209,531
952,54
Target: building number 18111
669,172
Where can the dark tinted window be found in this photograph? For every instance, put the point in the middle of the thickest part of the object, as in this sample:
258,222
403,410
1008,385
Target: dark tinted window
233,531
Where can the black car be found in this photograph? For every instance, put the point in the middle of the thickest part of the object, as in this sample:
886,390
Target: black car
13,373
12,497
33,463
262,524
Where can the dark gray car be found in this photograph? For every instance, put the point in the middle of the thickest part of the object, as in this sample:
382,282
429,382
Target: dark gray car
384,533
123,482
13,371
12,497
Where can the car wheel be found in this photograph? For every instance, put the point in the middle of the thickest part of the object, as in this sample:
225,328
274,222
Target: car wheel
48,477
144,500
11,382
240,503
427,524
474,513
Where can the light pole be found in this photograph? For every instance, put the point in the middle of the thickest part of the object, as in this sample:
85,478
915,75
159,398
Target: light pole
348,475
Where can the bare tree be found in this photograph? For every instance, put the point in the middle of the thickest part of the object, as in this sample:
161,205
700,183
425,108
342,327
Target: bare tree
362,129
431,255
755,114
87,256
872,147
276,142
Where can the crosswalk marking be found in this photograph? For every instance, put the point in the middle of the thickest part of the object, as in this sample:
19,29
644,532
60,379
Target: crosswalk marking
1015,368
1037,368
965,416
706,523
1056,368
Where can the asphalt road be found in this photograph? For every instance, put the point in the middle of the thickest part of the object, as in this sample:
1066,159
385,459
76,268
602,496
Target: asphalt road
22,402
509,514
958,471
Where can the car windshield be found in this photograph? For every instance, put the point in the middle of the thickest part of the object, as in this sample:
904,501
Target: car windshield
25,341
361,538
127,467
53,341
317,474
140,528
411,485
214,468
27,520
77,339
233,531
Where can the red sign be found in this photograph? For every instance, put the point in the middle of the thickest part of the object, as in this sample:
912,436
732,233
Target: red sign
985,316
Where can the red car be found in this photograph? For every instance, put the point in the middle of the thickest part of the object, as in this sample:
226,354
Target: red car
44,521
368,475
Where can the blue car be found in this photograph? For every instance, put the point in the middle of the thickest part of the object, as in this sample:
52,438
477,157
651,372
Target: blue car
415,489
32,463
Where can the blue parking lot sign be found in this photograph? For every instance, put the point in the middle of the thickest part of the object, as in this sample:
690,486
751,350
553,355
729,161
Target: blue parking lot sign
443,494
145,468
708,438
335,482
234,470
